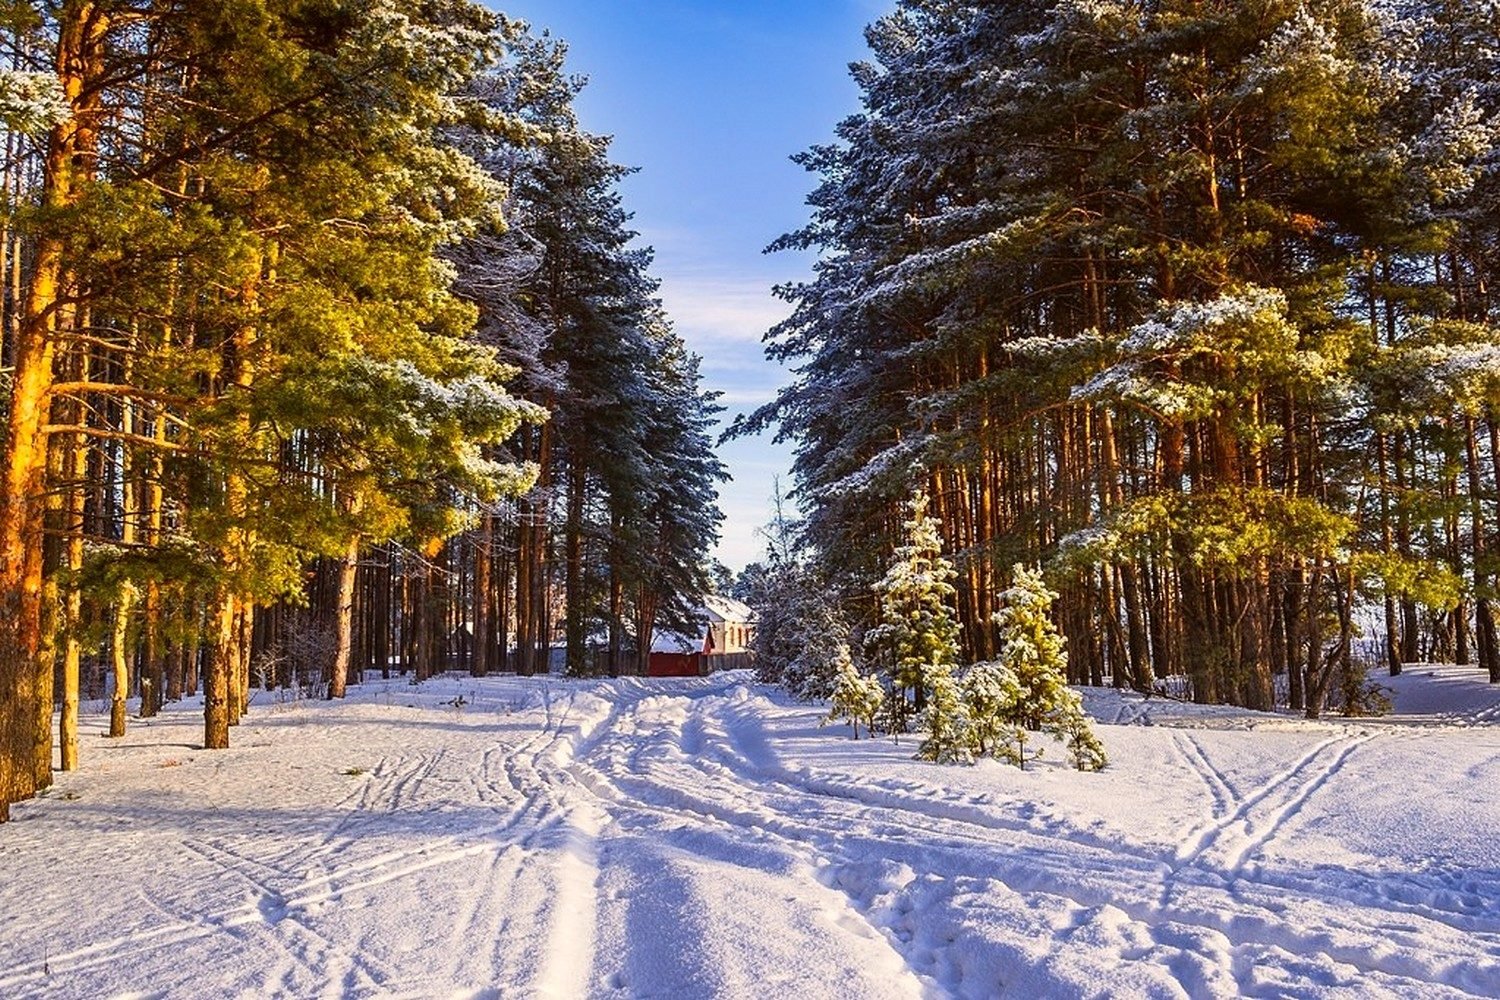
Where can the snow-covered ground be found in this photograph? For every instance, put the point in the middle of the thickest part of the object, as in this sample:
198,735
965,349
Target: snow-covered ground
706,838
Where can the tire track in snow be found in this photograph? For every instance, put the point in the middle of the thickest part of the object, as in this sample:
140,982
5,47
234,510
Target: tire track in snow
1163,921
268,908
375,794
1210,912
567,965
406,789
758,766
965,824
563,969
621,754
698,770
840,850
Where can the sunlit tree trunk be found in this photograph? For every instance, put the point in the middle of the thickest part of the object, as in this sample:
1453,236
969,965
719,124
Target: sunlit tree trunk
484,597
79,62
120,651
344,619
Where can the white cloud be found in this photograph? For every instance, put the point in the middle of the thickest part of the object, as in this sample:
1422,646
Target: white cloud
746,398
710,311
722,317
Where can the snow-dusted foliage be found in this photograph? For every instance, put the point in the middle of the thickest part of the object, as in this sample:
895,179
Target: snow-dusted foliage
1112,275
856,698
917,633
1033,657
802,639
1172,364
947,733
993,695
1441,366
31,102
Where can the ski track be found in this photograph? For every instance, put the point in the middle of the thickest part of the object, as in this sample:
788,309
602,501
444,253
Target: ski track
631,813
1223,793
1238,837
1262,814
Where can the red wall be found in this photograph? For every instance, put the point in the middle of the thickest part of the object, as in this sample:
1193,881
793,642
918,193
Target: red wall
674,665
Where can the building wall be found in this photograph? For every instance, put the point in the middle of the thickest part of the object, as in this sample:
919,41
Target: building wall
732,637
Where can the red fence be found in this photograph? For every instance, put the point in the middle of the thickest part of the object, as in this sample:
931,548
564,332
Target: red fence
675,665
695,664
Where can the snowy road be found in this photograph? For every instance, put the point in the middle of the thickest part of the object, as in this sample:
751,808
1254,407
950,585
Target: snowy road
707,838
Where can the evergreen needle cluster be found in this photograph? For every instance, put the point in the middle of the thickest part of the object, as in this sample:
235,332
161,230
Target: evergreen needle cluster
989,708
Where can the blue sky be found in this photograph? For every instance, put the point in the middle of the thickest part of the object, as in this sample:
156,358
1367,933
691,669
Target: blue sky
709,100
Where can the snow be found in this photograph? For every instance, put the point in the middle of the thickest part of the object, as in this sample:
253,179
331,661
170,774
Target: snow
707,837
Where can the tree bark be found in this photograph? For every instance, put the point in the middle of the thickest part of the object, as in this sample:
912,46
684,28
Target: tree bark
344,620
484,598
218,676
82,27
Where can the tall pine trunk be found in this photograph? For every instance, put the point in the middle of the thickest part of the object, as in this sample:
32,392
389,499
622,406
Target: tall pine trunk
484,598
343,628
79,62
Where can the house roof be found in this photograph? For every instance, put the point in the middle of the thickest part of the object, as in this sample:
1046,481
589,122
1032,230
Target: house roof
675,642
726,609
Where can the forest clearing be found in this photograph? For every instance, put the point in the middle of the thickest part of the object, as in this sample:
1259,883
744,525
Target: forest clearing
545,837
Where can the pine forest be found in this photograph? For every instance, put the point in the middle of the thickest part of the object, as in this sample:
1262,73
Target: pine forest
702,499
325,349
1188,302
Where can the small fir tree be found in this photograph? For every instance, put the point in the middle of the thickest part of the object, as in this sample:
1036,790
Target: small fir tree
1032,650
948,735
1072,724
856,697
801,633
917,635
992,694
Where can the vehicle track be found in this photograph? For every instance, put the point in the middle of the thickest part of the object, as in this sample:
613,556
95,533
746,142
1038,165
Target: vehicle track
625,787
724,784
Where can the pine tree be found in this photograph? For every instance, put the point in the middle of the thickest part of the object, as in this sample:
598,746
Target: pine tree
856,697
1071,724
800,631
916,638
1088,272
1031,650
295,282
945,724
993,695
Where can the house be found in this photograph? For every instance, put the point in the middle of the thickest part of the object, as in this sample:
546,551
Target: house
724,643
729,625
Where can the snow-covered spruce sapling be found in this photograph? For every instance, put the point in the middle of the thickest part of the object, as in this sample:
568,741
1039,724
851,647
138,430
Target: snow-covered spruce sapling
992,693
1032,650
1084,749
917,633
800,628
947,736
856,697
